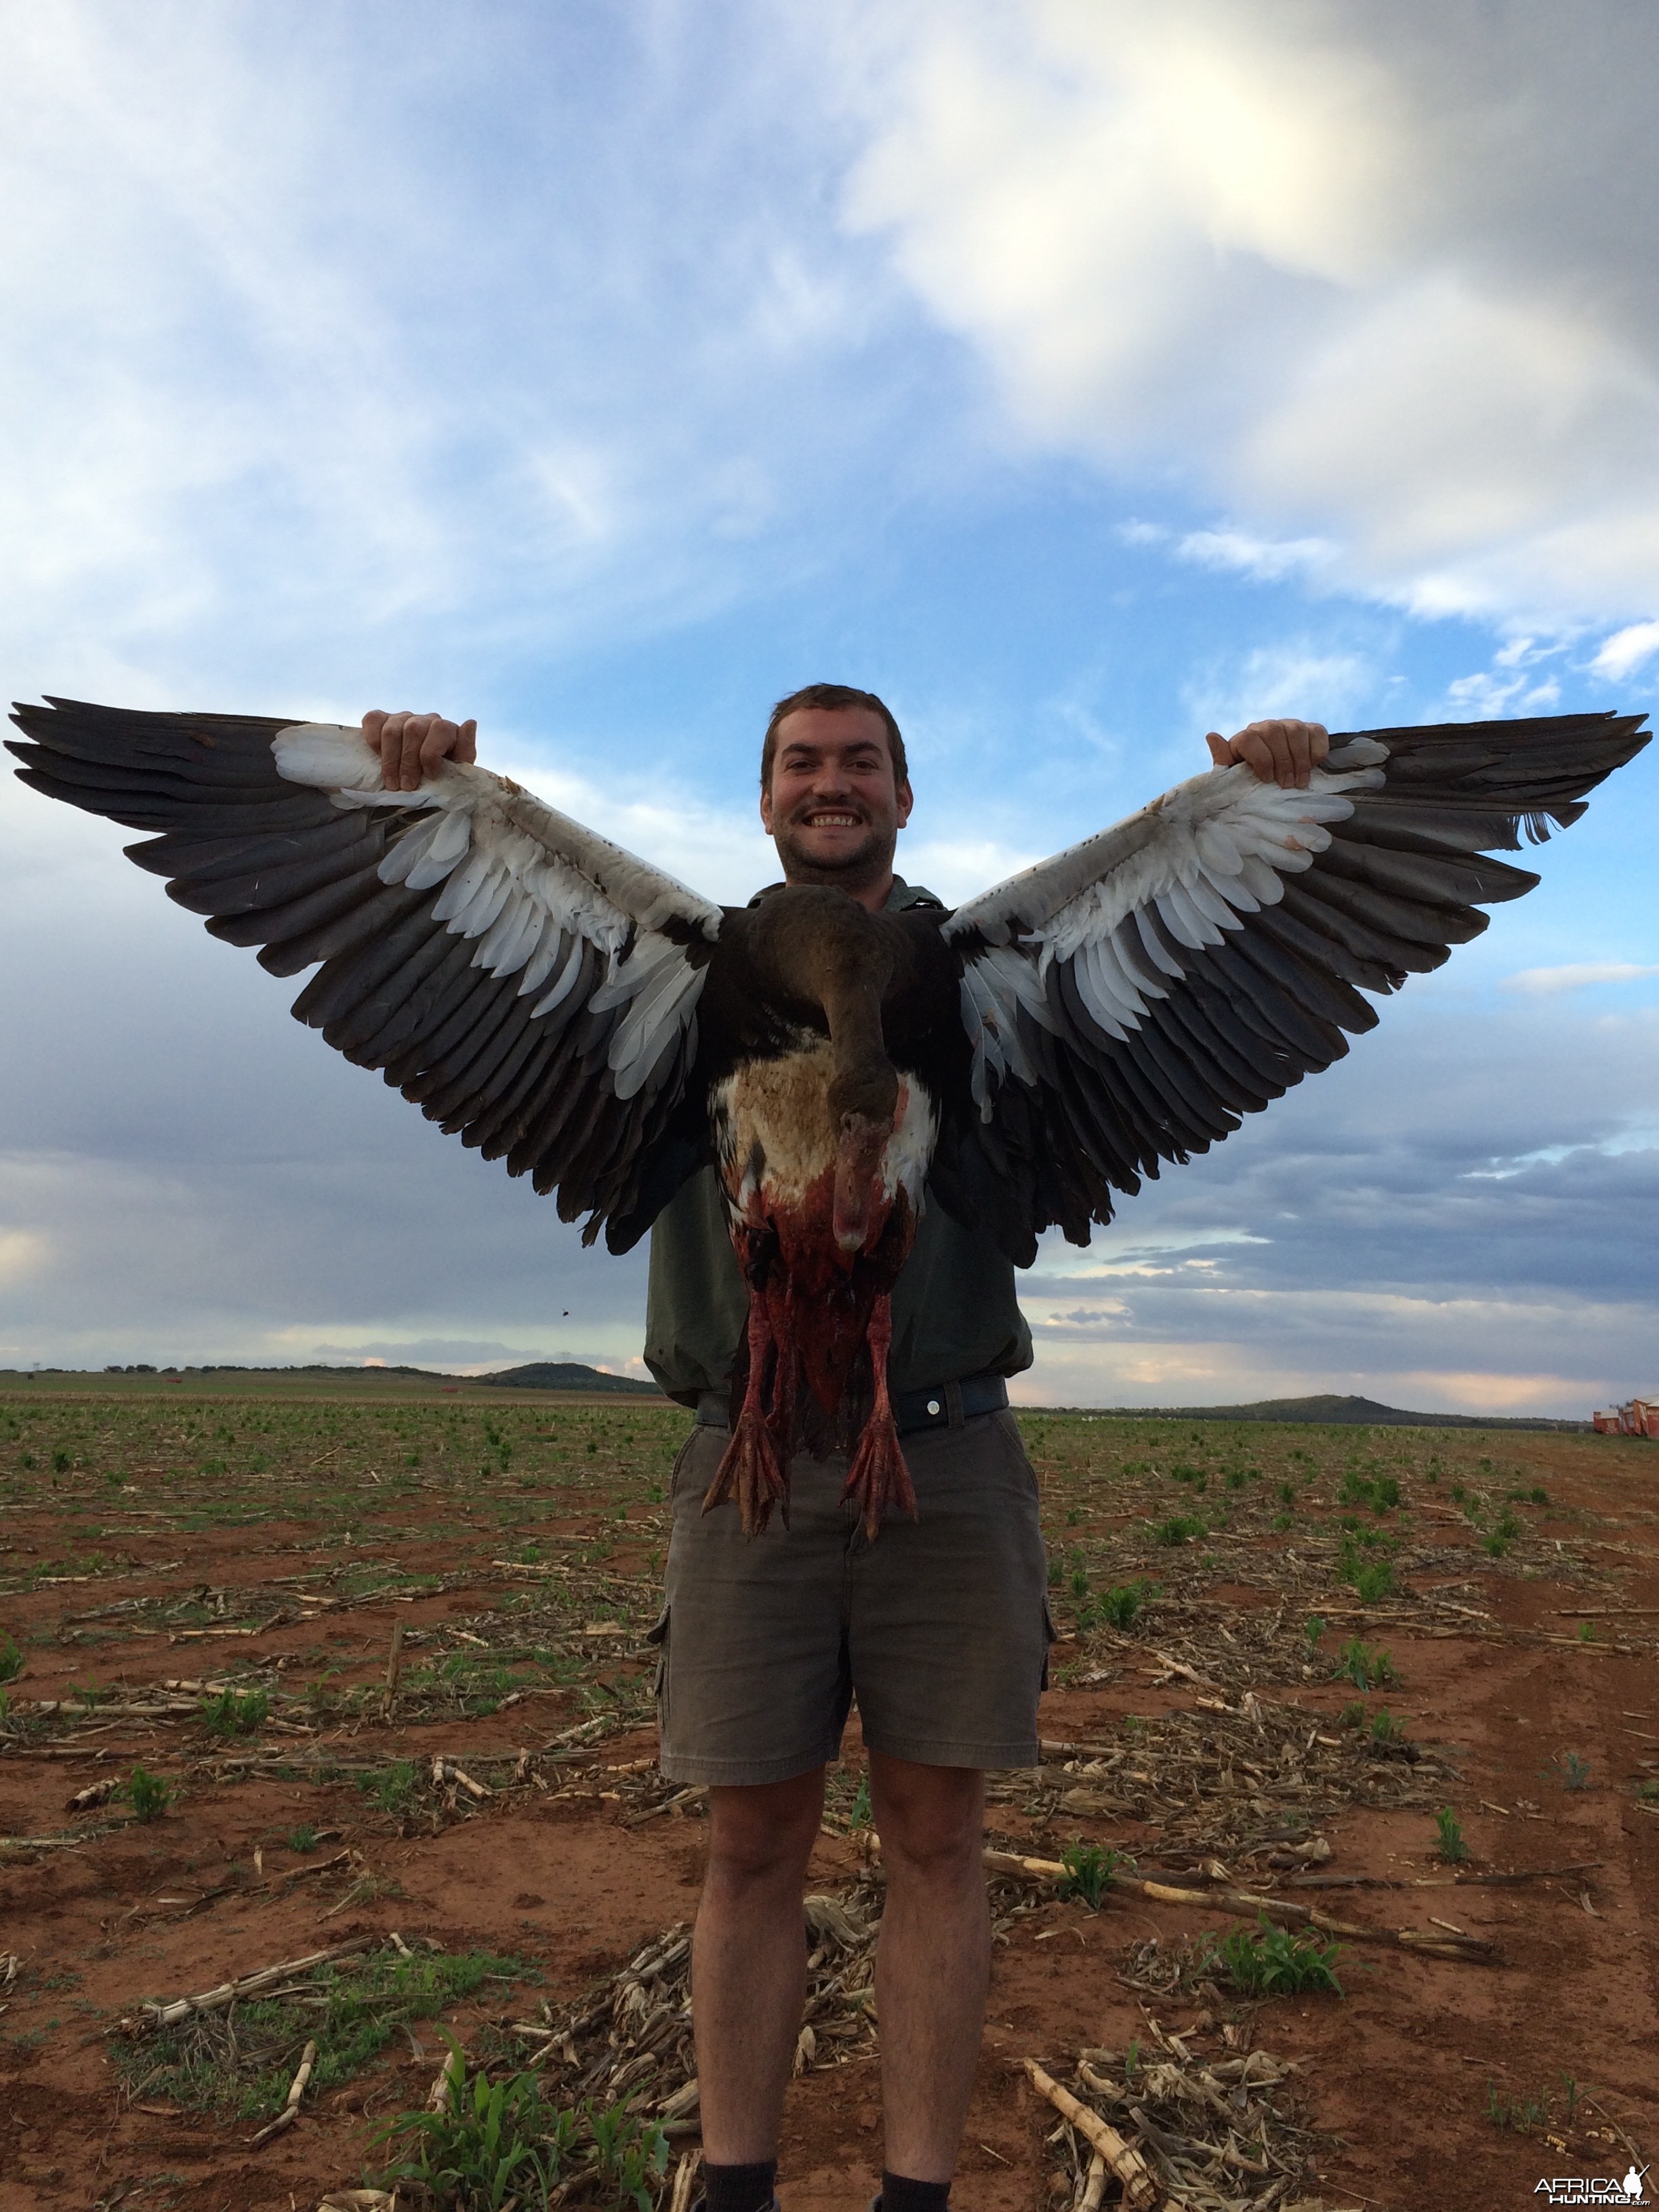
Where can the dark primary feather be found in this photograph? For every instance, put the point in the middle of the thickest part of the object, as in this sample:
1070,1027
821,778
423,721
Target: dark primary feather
276,866
1074,1115
1402,880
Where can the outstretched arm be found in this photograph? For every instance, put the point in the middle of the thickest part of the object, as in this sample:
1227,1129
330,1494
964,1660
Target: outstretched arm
411,745
1281,752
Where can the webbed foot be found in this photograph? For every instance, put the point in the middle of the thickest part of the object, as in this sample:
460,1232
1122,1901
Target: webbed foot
749,1470
878,1481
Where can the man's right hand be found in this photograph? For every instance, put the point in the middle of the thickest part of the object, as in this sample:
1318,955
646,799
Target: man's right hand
411,745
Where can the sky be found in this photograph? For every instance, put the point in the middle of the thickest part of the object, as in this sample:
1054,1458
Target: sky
1080,376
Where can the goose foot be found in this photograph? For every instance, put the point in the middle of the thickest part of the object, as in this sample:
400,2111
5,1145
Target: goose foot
878,1481
751,1469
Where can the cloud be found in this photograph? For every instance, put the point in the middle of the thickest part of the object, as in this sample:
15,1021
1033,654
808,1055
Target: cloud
316,342
1626,650
1465,1194
1244,553
1354,276
1575,976
425,1352
1299,676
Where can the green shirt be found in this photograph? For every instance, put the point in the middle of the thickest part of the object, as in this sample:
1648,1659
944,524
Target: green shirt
955,1313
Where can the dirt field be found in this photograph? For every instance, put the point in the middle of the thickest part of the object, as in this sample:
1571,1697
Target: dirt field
205,1580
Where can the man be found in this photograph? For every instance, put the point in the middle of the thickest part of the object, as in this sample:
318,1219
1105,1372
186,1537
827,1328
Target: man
938,1626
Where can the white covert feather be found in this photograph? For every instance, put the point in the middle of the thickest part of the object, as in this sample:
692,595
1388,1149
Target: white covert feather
533,886
1203,856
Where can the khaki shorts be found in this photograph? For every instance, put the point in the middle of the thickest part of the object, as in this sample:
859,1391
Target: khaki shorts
939,1627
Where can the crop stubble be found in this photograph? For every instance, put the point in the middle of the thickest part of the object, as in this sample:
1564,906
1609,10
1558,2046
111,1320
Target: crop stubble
431,1610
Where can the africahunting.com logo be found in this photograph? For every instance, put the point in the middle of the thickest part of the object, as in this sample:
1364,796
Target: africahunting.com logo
1595,2189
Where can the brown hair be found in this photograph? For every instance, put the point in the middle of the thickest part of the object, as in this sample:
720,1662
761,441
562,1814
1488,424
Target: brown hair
838,698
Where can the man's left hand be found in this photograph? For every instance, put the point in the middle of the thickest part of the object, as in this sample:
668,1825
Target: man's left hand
1284,753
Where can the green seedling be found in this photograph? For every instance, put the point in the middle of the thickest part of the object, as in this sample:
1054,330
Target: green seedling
1374,1582
861,1816
1521,2115
235,1713
1353,1716
301,1839
11,1659
1385,1729
1287,1493
496,2142
632,2154
1570,1770
1121,1606
1380,1493
149,1795
1088,1875
1453,1848
1587,1632
1179,1529
1647,1793
1364,1665
394,1790
1079,1582
1270,1962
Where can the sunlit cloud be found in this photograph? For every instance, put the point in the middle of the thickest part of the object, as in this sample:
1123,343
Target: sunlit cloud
1318,263
1627,650
1575,975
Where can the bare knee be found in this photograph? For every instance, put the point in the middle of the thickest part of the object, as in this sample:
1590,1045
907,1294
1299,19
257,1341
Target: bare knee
764,1833
931,1819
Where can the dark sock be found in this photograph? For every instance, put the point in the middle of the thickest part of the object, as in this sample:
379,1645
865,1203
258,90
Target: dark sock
739,2188
900,2194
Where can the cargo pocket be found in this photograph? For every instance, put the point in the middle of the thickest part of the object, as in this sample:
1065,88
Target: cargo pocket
659,1635
1048,1637
680,1458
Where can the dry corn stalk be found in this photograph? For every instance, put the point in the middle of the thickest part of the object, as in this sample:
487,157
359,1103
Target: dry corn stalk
290,2110
445,1770
1140,2191
247,1985
443,2089
1241,1905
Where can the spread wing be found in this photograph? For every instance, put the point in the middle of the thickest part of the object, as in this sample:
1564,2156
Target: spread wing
531,986
1127,1000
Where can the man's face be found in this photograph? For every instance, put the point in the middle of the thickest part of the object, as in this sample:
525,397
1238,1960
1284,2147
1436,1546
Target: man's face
832,806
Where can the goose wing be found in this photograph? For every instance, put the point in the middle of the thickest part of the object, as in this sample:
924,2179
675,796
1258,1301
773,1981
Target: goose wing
530,986
1128,1000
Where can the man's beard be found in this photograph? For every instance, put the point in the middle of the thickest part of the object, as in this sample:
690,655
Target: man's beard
869,858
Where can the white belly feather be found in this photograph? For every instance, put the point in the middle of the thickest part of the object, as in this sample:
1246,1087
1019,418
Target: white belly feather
773,1130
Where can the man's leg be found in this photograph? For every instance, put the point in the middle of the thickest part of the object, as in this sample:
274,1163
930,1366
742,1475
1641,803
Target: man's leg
749,1961
934,1964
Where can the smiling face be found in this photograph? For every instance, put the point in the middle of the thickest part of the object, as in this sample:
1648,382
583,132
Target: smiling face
832,806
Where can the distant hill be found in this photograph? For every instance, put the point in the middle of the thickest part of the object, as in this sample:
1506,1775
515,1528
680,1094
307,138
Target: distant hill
1355,1413
567,1375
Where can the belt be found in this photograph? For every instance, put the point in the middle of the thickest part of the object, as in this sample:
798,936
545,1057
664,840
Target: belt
947,1405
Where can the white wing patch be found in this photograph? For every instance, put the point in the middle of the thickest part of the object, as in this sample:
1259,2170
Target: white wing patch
1199,859
531,886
